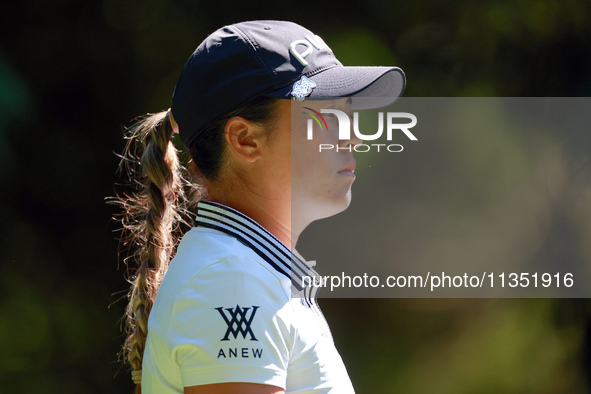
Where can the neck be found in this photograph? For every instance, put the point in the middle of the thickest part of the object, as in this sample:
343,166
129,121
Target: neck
273,214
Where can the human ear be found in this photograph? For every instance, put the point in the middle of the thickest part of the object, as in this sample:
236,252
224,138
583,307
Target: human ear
241,136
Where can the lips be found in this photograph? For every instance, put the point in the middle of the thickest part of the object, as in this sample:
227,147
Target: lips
349,168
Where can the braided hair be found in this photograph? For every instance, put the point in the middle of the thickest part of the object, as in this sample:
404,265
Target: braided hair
156,213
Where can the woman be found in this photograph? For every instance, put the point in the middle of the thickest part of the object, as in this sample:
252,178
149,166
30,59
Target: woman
229,314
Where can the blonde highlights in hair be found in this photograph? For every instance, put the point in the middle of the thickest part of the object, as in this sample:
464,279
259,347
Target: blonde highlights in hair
152,218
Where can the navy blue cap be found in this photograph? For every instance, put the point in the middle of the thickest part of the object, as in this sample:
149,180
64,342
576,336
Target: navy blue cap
241,62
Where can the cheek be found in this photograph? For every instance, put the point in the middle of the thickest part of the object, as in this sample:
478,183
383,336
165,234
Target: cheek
304,159
302,162
333,129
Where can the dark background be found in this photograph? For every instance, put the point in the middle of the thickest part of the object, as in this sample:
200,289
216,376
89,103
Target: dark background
73,72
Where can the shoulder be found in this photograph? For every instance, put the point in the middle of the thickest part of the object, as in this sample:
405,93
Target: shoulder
232,320
214,274
215,263
235,288
236,277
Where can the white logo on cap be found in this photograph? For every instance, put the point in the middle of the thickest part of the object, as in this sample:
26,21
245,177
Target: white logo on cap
302,88
311,43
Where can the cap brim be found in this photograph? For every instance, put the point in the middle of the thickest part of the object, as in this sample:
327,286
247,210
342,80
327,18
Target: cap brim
368,87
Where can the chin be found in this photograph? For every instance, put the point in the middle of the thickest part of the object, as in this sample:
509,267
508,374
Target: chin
335,205
322,207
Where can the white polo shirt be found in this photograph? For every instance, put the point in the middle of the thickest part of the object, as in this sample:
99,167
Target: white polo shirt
225,313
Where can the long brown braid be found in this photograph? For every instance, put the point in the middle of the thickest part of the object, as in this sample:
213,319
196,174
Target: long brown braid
152,218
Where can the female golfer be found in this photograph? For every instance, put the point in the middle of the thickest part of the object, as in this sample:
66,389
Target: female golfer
231,313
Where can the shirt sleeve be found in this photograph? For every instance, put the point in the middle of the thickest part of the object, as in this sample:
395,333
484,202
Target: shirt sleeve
232,323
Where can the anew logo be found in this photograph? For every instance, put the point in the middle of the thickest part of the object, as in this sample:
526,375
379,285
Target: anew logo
344,129
239,321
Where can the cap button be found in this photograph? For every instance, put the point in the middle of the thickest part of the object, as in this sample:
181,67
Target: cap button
267,28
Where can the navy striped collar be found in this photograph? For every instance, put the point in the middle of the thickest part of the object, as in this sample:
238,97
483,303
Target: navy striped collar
232,222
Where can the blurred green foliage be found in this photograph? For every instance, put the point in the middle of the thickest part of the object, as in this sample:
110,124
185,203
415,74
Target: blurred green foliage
72,72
